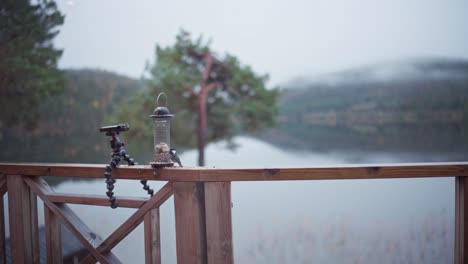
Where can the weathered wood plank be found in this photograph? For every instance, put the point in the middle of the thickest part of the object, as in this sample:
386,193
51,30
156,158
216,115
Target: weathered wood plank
3,185
132,222
373,171
218,222
461,220
53,237
137,172
190,222
335,173
99,200
34,227
3,189
20,222
87,237
2,232
152,237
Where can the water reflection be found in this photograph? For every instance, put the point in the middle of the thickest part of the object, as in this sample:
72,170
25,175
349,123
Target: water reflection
293,146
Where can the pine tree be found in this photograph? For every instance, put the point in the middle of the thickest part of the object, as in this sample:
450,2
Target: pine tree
28,58
213,97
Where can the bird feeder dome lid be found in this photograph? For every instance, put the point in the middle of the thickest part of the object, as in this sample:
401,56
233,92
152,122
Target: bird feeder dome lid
161,112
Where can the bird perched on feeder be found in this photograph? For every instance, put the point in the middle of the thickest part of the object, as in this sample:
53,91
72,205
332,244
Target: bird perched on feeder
174,157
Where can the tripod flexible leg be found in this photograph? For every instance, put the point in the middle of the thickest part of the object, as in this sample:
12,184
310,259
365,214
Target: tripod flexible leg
131,162
119,153
110,181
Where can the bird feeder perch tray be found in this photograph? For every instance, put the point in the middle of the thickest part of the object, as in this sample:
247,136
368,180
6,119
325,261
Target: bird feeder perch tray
156,165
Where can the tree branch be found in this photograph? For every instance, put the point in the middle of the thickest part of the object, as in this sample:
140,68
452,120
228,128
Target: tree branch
208,64
210,87
206,88
190,91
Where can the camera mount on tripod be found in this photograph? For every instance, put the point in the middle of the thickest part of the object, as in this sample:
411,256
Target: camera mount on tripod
115,130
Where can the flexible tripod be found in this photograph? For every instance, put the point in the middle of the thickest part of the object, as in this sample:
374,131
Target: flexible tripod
118,153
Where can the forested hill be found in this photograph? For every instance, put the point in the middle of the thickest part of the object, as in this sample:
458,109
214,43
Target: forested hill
89,97
433,90
410,106
68,124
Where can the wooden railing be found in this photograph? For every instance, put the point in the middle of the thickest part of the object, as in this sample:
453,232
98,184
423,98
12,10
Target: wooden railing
202,205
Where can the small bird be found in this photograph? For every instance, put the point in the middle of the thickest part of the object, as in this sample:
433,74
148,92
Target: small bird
174,157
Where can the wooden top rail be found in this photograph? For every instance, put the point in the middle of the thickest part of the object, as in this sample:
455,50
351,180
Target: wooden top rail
197,174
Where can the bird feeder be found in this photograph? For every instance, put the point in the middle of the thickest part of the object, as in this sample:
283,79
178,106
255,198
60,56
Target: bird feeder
161,134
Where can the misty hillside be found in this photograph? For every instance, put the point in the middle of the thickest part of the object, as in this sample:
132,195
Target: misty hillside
431,90
414,106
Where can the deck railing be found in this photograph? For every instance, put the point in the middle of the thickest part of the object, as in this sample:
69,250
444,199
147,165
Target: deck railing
202,205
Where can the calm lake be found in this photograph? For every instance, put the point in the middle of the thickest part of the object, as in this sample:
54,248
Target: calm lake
349,221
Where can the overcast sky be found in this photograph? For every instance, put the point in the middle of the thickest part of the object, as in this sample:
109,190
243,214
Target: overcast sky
286,39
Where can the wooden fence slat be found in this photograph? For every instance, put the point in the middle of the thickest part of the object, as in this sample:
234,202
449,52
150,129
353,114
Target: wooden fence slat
2,232
3,185
3,189
152,237
27,214
20,223
87,237
190,222
34,227
72,221
218,222
132,222
53,237
461,220
99,200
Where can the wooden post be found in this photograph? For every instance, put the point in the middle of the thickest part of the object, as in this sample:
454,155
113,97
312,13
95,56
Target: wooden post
203,222
190,222
34,227
2,232
3,189
218,222
52,237
461,220
152,237
21,231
